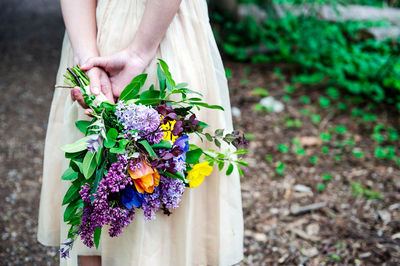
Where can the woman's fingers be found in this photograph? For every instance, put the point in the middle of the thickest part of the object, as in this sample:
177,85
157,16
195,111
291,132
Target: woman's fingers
88,112
94,62
94,77
106,87
76,95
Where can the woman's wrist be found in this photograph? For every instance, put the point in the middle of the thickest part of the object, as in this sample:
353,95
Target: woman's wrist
142,53
81,56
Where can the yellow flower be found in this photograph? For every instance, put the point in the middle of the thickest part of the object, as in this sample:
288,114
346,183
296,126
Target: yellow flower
198,172
145,177
167,128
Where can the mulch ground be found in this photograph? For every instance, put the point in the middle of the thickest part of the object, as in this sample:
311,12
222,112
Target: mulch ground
283,179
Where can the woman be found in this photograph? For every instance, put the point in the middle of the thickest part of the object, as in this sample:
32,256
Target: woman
115,40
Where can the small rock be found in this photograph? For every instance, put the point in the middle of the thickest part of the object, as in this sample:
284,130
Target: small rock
396,236
385,216
272,104
394,206
260,237
302,188
296,209
365,255
274,211
236,111
312,229
309,141
310,252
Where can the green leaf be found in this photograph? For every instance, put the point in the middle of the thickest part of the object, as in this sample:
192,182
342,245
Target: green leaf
210,153
230,169
112,135
203,125
99,156
150,101
321,187
75,154
193,156
229,138
240,171
326,177
89,164
97,179
71,209
82,125
181,85
221,165
219,132
148,148
208,106
121,147
176,175
283,148
260,92
96,236
217,143
150,94
76,165
69,174
133,88
77,146
162,145
244,151
170,83
72,193
162,81
209,137
242,163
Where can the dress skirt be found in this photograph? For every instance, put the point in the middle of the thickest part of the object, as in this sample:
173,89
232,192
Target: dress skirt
207,228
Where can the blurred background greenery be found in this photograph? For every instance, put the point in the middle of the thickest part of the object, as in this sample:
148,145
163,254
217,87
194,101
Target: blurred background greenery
330,49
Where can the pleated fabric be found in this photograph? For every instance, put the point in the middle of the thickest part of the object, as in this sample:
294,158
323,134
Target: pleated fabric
207,228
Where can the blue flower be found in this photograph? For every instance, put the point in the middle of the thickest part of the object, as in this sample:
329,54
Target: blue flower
183,144
131,197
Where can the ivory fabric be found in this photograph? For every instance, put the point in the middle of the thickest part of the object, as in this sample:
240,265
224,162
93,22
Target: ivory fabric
207,228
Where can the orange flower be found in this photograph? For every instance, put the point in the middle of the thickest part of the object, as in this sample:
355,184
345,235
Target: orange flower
145,177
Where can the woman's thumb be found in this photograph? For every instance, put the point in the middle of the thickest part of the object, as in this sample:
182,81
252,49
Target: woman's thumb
94,62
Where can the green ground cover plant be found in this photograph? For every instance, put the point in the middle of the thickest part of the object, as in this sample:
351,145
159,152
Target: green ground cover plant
337,55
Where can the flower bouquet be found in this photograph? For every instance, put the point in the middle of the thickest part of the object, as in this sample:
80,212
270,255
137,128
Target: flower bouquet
137,154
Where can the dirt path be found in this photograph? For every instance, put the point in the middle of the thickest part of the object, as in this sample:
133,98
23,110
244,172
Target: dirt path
30,41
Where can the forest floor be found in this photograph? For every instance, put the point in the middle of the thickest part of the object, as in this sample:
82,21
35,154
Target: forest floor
312,152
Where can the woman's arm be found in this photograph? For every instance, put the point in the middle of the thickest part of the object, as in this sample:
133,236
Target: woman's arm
128,63
80,22
156,19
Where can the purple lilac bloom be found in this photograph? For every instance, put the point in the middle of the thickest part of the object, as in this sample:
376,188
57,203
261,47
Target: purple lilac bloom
94,142
171,190
180,164
141,118
86,230
151,204
100,212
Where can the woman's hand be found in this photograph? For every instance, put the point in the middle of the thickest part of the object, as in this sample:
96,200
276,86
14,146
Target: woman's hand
99,82
121,67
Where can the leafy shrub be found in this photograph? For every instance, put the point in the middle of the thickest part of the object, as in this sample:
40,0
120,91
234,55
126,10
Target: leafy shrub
337,54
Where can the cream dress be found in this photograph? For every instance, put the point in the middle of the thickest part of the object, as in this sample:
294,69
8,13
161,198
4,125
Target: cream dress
207,228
